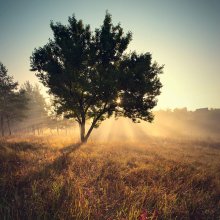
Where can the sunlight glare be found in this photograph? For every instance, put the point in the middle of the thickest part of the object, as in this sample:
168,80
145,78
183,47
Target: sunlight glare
118,101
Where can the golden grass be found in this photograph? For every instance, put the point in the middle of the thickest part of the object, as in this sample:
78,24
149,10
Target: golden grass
155,179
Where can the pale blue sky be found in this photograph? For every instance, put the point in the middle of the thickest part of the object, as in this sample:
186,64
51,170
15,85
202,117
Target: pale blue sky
183,35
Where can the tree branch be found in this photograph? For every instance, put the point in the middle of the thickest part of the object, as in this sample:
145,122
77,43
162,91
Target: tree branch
95,120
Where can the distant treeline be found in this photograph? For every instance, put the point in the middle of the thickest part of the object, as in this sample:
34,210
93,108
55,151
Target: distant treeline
24,109
201,122
32,115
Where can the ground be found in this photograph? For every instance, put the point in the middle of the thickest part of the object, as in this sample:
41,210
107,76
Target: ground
52,177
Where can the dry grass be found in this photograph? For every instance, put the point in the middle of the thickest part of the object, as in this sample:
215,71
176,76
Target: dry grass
159,179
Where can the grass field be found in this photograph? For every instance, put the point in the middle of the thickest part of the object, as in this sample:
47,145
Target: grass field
43,178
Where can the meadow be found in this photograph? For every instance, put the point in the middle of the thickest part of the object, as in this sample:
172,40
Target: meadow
52,177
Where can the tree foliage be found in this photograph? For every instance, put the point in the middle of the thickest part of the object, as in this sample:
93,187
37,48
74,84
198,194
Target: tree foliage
91,77
12,101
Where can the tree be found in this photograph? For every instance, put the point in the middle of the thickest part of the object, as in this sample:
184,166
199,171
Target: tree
36,112
12,100
91,77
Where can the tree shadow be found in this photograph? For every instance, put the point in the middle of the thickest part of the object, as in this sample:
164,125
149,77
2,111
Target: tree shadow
36,181
58,165
61,162
42,172
71,148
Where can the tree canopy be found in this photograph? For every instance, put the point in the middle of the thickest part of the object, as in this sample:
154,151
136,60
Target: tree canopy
91,77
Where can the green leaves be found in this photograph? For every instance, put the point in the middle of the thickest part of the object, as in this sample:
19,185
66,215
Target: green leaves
139,86
86,72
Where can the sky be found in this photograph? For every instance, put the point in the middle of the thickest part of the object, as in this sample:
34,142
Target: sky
182,35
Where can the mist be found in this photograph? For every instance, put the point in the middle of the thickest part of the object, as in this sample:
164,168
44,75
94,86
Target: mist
200,124
177,123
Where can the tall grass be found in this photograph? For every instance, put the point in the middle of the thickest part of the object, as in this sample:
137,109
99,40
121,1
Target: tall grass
159,179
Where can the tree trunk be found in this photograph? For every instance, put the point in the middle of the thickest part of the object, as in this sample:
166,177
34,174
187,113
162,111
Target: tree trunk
9,127
82,132
89,132
84,137
2,126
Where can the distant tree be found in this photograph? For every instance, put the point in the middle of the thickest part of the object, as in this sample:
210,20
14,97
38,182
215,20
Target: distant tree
12,101
91,77
37,108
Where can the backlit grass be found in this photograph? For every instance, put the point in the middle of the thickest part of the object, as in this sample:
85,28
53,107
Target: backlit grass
43,178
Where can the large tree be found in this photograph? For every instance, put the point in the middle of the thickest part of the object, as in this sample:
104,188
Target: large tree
91,77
